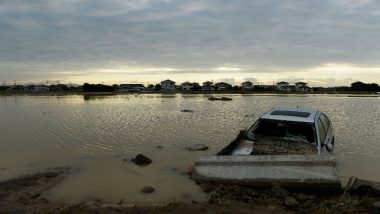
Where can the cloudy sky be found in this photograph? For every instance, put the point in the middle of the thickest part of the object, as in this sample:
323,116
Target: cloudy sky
323,42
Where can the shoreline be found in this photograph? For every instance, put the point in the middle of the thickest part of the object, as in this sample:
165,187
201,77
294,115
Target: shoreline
26,195
254,93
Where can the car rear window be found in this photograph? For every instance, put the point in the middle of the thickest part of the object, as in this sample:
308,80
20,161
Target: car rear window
291,113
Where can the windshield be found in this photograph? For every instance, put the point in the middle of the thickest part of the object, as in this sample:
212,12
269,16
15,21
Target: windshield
300,131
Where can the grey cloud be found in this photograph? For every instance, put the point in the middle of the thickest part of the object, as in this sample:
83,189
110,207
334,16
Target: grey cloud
261,36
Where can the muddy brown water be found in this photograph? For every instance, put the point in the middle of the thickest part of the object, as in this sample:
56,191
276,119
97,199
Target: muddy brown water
92,135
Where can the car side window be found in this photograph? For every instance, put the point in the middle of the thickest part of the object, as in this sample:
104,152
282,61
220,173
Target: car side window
321,131
325,121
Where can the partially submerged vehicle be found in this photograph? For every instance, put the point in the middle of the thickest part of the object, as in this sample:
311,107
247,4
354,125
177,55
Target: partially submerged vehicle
286,147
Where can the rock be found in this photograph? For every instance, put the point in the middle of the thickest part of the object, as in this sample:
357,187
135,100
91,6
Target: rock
355,197
51,174
197,147
147,189
290,202
278,191
331,203
302,196
186,110
207,187
141,160
212,98
376,204
159,147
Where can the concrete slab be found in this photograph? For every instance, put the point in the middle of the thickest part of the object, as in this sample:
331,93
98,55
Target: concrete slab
286,170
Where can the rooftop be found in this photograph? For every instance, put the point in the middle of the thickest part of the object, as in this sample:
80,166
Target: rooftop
291,114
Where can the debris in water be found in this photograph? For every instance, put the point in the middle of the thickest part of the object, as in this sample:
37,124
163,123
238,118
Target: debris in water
141,159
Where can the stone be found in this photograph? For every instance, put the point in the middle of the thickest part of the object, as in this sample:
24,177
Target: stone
302,196
197,147
278,191
147,189
51,174
207,187
376,204
290,202
159,147
141,159
331,203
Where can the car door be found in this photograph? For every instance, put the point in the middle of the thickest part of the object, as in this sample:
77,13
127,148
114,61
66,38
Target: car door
327,124
324,128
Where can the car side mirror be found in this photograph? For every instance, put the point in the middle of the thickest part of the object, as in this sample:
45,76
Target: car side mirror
329,147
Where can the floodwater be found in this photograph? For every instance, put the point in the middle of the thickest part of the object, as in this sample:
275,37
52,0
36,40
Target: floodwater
92,135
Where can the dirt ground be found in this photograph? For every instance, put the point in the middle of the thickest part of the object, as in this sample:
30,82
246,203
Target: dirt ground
25,195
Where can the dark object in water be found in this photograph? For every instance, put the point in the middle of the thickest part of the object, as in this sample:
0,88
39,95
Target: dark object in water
141,160
212,98
147,189
197,147
225,99
363,187
186,110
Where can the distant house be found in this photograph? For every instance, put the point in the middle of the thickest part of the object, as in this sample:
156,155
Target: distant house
131,87
247,86
16,88
37,88
282,86
58,87
187,86
222,86
266,87
289,88
301,87
208,86
168,85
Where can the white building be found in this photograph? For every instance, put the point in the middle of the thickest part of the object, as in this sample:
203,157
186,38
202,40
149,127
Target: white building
247,85
222,86
208,86
168,85
187,86
302,87
132,87
38,88
282,86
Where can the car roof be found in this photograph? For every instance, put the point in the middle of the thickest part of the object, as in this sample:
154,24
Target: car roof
291,114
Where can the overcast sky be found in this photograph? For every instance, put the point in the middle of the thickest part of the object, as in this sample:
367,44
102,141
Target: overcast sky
323,42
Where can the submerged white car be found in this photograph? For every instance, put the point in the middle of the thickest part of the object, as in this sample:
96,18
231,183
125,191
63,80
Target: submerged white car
291,147
286,131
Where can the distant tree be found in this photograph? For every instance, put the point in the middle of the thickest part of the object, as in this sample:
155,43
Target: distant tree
86,87
197,87
97,88
360,86
150,86
157,87
236,88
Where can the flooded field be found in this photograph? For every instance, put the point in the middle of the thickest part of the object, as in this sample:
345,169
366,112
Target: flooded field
92,135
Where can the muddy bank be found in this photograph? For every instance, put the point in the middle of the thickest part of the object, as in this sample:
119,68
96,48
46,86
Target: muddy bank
26,195
293,201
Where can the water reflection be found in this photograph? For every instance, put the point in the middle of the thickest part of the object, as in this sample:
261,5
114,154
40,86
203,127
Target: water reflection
92,134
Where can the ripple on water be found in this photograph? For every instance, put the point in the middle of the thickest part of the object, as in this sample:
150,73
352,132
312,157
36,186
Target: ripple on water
94,135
